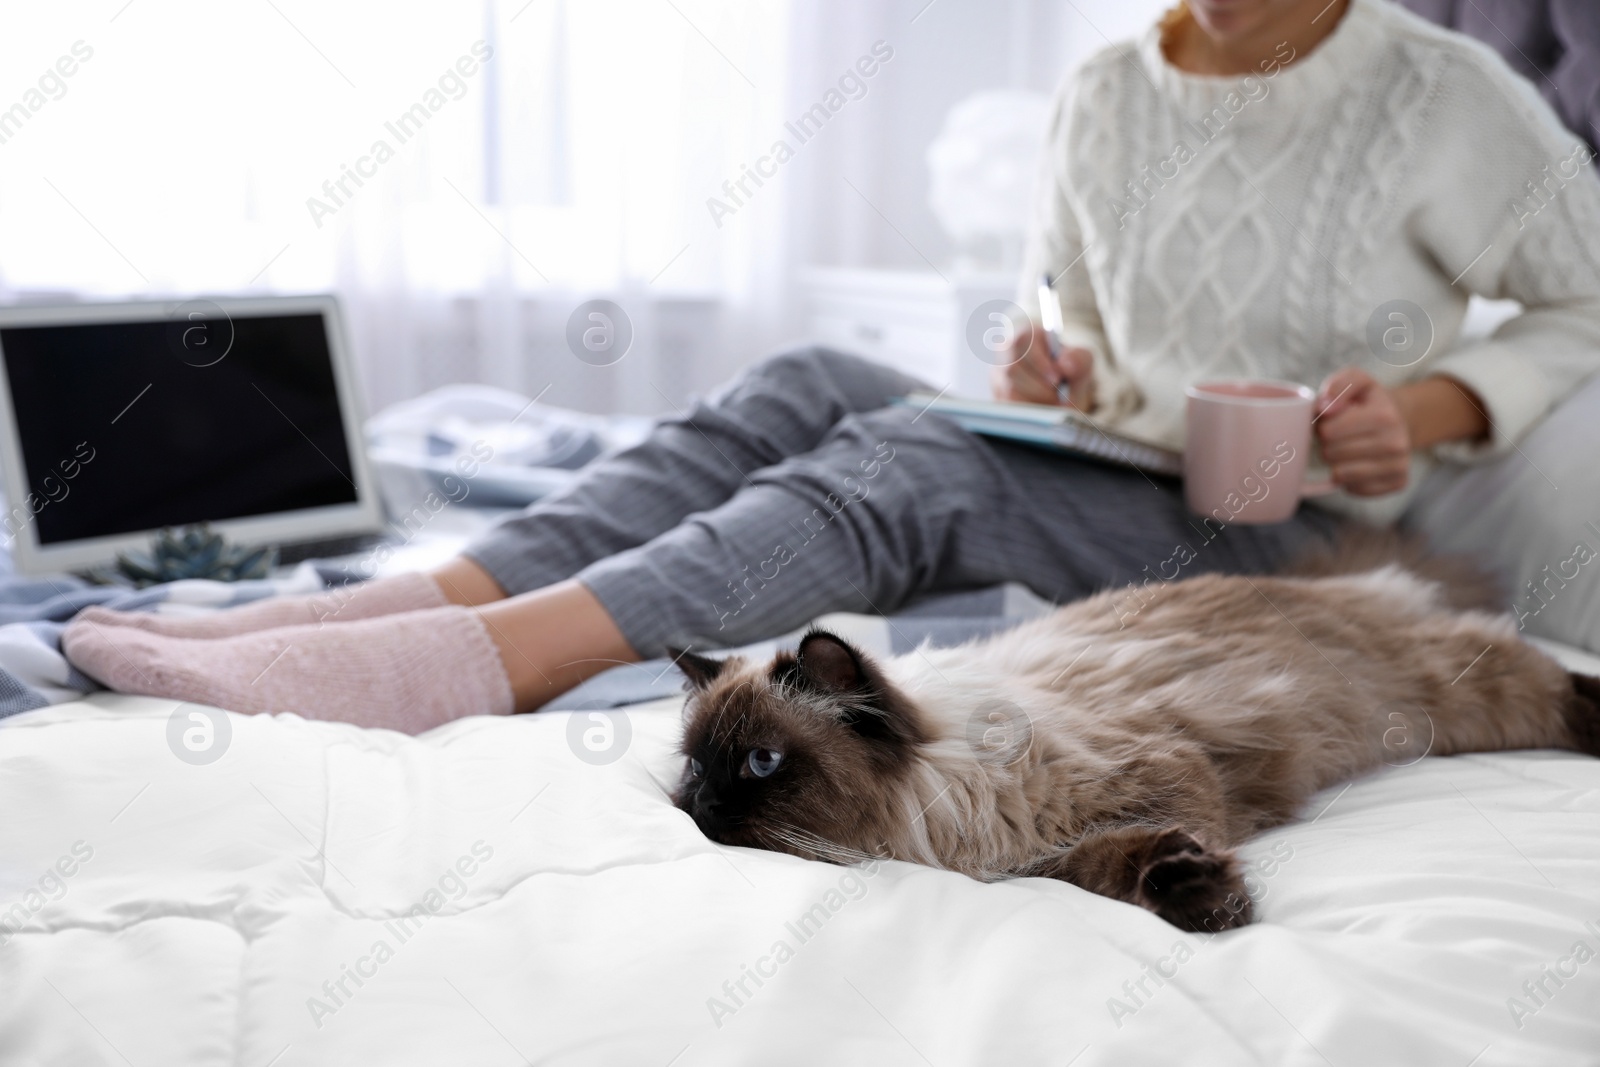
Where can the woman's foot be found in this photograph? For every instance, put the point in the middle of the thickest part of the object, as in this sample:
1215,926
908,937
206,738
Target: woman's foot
410,671
366,600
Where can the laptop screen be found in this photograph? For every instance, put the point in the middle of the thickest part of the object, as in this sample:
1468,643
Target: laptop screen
168,423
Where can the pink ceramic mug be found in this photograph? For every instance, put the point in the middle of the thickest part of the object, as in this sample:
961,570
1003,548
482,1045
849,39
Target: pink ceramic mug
1247,442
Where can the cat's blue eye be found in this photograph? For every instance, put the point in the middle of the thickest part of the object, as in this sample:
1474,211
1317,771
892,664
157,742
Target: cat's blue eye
696,768
763,761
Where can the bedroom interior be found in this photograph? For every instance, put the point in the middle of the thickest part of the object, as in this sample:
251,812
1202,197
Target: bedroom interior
297,301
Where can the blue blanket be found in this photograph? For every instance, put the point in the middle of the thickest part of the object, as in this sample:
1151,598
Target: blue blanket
33,612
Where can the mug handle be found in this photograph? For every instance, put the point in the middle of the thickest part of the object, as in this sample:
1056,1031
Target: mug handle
1322,488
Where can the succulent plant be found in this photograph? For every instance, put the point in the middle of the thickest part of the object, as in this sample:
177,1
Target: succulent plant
194,552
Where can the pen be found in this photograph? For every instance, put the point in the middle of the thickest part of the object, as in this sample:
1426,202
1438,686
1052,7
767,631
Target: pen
1050,319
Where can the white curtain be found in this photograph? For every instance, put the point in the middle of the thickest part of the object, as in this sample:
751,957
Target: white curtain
200,147
520,157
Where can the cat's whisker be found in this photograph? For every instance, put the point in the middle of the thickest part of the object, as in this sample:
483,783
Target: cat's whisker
819,846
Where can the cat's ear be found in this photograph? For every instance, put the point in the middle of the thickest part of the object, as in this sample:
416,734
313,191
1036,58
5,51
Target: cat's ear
700,670
870,704
830,664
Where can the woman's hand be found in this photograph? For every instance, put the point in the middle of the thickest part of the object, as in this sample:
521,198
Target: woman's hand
1368,432
1032,376
1365,436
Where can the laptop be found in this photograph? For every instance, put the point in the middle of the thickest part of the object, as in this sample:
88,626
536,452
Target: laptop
117,420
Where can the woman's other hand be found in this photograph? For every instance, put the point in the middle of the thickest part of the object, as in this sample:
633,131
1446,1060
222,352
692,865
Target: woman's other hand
1365,437
1032,375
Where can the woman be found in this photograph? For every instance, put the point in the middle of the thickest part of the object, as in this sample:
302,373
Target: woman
1243,194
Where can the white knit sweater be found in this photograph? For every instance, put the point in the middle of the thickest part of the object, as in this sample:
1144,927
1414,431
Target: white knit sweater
1255,226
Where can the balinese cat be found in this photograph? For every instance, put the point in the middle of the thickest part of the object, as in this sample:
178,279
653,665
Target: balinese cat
1126,755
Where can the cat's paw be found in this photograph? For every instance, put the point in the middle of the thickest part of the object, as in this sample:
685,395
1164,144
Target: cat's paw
1192,887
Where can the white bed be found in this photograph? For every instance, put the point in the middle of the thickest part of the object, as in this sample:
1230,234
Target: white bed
597,925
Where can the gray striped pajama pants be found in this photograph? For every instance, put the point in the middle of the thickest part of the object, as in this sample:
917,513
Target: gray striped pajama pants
797,491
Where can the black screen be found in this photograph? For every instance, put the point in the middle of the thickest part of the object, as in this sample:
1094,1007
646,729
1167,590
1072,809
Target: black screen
137,425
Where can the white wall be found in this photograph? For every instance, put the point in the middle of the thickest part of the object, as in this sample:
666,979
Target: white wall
953,49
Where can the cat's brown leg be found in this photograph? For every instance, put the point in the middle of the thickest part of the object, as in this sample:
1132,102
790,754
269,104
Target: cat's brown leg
1583,714
1164,869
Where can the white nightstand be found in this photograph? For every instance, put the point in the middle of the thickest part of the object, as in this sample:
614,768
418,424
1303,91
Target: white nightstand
914,321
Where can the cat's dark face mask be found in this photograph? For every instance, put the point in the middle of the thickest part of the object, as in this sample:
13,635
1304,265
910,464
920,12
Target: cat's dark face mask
799,756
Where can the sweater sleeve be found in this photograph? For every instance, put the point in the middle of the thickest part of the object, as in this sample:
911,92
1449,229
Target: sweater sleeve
1056,246
1542,248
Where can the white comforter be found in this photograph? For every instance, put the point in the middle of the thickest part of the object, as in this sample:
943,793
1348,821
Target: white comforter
249,912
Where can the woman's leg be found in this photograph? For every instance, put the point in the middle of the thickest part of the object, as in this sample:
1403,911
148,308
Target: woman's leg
860,521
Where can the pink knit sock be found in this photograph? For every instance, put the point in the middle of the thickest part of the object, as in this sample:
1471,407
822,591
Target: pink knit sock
408,672
366,600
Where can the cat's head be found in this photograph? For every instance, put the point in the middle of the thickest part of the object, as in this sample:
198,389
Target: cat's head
806,754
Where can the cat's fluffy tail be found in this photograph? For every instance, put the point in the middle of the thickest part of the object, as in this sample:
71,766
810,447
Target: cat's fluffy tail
1466,584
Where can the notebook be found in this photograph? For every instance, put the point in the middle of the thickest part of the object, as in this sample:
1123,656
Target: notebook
1061,429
